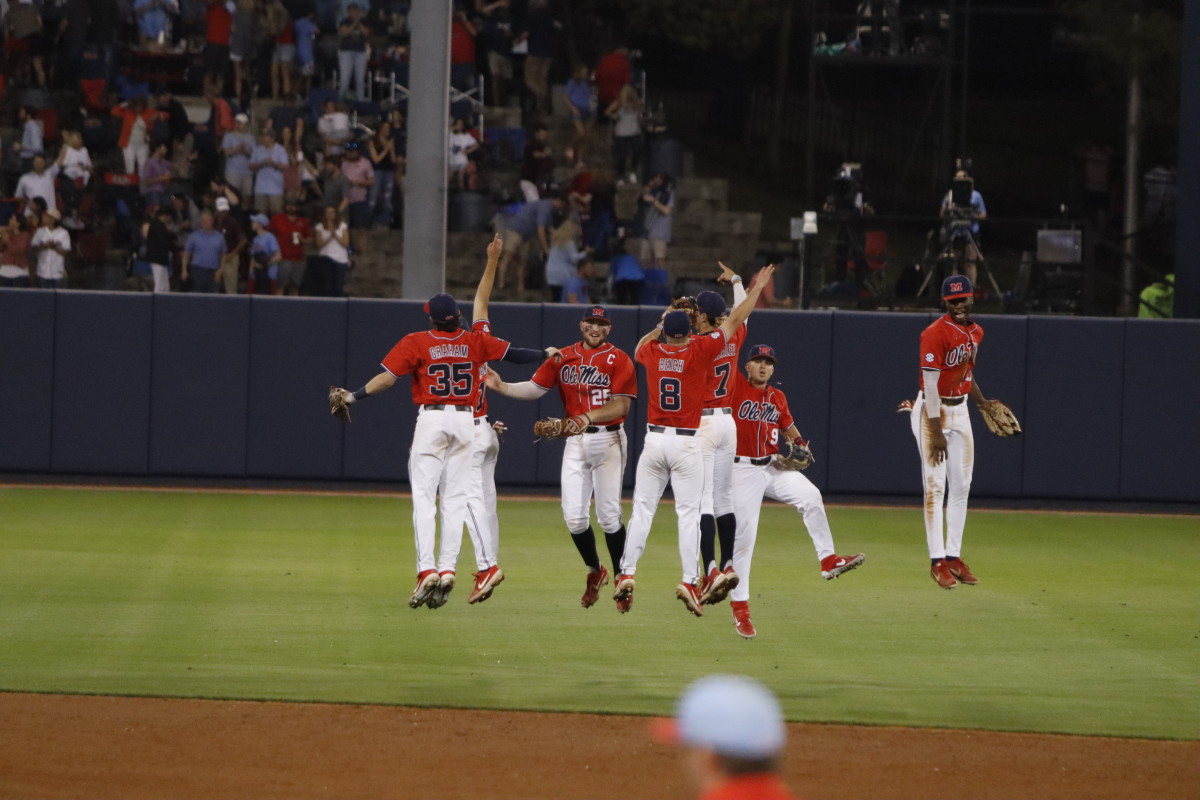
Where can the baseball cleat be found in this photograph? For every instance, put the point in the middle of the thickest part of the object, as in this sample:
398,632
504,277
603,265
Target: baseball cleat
832,566
940,572
427,582
962,573
623,593
595,580
441,593
717,585
690,595
485,582
741,619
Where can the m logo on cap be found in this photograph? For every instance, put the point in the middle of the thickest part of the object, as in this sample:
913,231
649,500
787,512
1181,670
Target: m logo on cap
956,287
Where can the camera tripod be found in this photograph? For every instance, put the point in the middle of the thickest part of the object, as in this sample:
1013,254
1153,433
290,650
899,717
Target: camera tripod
955,250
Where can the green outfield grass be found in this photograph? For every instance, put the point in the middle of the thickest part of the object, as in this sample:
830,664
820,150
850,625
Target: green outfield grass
1083,623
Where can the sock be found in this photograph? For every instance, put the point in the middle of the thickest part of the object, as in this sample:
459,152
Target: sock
952,558
933,561
616,547
726,529
585,543
708,540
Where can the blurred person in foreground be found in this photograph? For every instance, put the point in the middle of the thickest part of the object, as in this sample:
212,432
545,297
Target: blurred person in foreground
733,732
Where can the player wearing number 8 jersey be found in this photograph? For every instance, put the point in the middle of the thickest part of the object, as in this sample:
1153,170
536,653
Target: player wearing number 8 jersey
677,382
597,383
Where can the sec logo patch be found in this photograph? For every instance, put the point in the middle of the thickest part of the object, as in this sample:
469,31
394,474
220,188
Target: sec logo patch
929,357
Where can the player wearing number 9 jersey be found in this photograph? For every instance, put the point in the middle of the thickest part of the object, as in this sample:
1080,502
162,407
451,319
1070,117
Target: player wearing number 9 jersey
677,384
445,363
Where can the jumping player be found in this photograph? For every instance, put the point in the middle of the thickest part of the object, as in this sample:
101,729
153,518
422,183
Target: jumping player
677,383
597,383
942,428
718,440
445,362
762,417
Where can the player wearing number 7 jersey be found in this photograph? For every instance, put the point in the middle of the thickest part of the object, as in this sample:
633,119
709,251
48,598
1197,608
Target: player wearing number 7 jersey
445,363
677,382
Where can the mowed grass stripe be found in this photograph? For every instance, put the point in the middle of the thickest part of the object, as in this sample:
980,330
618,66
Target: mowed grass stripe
1080,625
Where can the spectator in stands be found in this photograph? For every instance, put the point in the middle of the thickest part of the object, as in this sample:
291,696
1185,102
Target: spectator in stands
361,175
238,145
51,244
136,123
38,182
335,186
243,47
156,177
219,32
264,257
562,263
602,223
153,21
496,31
305,33
233,245
657,204
334,129
462,48
279,23
161,245
102,28
203,255
268,161
332,237
32,141
578,97
23,25
537,169
613,73
626,113
293,232
35,213
185,215
381,150
15,238
540,35
75,168
352,53
170,109
461,144
532,222
578,289
627,277
291,173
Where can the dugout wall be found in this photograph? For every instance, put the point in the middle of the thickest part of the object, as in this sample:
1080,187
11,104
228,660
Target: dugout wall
136,385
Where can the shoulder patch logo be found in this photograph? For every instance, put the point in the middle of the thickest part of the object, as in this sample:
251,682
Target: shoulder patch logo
929,357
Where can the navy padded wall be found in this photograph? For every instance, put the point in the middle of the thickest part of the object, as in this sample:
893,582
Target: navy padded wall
1159,435
297,349
198,396
875,365
26,370
1073,401
102,382
1000,371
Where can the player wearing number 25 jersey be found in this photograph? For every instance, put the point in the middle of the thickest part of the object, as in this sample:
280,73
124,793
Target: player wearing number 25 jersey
677,384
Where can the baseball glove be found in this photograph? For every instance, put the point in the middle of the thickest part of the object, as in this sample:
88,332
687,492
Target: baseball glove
999,418
555,428
794,455
338,406
688,304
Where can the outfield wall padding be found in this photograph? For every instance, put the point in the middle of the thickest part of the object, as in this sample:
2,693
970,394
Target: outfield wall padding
212,386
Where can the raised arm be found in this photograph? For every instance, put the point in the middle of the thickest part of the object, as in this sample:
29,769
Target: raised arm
730,277
742,310
484,291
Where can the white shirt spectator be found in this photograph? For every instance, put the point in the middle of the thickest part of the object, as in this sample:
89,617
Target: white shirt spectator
459,142
51,265
74,162
330,246
33,185
334,128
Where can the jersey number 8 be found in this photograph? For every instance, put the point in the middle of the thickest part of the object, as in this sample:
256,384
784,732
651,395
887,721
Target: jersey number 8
670,394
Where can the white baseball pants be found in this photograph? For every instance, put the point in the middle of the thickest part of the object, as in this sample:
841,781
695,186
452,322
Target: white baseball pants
593,464
948,482
667,457
440,455
718,445
750,484
483,524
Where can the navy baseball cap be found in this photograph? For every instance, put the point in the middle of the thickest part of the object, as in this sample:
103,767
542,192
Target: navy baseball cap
597,314
957,286
442,308
676,324
711,304
762,351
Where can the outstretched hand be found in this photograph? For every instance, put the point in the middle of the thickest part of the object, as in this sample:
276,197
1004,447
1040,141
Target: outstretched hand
495,246
727,275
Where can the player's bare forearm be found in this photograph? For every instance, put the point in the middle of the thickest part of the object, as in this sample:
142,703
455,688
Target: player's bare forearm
483,292
742,310
649,337
615,408
976,393
380,383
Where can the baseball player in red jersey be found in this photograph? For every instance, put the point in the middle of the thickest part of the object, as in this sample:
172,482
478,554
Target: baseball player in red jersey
444,363
677,383
942,428
761,413
597,383
718,440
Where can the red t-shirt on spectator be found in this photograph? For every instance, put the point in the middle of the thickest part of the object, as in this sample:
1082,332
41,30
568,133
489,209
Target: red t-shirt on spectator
287,35
291,234
462,43
612,73
220,24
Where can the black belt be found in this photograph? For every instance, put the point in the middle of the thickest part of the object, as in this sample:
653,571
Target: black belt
665,428
480,420
758,462
951,401
598,429
446,407
708,412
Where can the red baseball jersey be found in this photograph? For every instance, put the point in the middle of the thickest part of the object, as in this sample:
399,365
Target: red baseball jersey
444,365
677,378
481,405
951,349
587,378
723,369
761,416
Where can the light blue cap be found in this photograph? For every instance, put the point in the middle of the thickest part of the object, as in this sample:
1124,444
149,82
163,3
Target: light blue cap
732,715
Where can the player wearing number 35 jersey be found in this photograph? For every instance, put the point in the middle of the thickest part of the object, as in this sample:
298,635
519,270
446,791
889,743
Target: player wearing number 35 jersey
677,384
